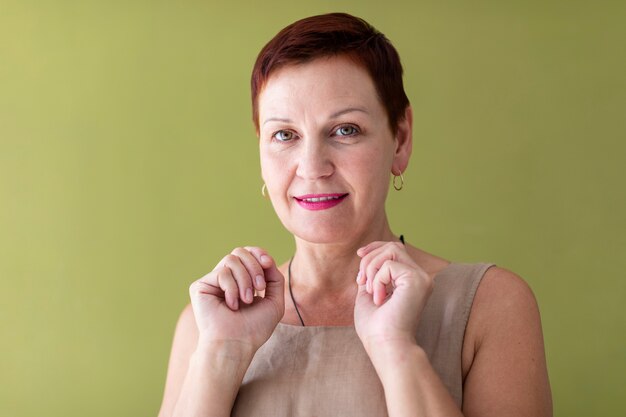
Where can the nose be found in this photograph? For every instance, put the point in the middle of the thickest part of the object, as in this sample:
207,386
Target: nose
314,160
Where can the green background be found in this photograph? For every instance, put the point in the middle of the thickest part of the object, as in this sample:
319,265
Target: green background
129,167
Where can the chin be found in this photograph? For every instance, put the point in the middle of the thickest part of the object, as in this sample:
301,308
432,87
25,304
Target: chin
331,231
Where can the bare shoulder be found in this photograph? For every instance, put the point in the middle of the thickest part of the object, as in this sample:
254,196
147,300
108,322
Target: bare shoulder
503,303
498,280
503,349
503,293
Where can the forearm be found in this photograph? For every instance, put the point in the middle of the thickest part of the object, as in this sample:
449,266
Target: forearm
213,379
412,387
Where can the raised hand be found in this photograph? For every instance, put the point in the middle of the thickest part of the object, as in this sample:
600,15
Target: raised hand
224,303
393,291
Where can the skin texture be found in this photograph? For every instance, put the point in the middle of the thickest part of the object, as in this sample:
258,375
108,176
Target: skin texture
323,130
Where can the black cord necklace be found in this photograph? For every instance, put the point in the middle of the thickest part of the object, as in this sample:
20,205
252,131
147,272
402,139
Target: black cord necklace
293,300
291,292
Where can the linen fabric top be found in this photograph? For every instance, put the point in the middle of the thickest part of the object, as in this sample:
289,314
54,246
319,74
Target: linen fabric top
325,371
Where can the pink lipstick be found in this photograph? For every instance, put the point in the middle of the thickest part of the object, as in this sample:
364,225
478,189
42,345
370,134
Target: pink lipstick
319,201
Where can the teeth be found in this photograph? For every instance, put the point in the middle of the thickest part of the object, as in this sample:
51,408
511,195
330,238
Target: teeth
318,199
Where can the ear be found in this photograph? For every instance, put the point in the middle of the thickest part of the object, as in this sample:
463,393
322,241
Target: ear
404,143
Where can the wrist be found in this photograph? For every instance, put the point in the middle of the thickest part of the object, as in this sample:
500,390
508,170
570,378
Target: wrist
395,355
224,356
386,346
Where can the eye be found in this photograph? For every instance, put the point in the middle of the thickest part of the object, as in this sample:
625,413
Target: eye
346,130
283,135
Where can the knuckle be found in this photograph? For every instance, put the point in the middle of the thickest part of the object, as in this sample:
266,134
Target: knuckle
230,258
237,250
255,251
194,287
391,248
251,262
371,271
230,286
240,279
224,277
247,257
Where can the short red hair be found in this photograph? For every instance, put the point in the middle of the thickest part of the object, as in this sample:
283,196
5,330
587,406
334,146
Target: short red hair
330,35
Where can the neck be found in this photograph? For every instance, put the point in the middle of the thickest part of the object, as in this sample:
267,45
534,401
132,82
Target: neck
332,267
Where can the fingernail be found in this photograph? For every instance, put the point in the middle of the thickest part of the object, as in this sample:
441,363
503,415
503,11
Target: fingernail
236,304
249,297
266,259
358,276
260,283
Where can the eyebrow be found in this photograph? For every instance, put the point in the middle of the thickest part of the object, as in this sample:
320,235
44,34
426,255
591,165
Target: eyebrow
332,116
348,110
276,119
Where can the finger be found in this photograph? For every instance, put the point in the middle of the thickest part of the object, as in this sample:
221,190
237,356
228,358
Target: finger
275,288
201,288
275,282
207,285
396,275
375,245
372,261
363,303
241,276
252,265
226,282
362,251
360,278
382,282
264,260
379,292
362,296
370,251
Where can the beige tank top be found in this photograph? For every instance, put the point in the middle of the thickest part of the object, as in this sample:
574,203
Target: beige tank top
325,371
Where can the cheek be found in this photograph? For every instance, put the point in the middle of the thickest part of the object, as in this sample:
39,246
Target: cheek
267,164
369,179
274,170
372,164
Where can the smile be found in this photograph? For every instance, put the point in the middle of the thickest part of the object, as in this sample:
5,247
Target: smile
320,201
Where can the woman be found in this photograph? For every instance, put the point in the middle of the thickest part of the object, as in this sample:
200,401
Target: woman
357,322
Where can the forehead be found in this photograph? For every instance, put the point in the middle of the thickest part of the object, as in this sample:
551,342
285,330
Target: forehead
322,84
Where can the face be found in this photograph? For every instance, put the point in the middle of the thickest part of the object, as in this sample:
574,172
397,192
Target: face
326,150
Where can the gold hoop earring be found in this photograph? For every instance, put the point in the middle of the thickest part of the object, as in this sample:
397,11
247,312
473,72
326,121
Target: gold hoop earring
398,188
263,190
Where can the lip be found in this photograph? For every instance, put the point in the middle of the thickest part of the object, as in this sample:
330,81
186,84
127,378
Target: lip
319,205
